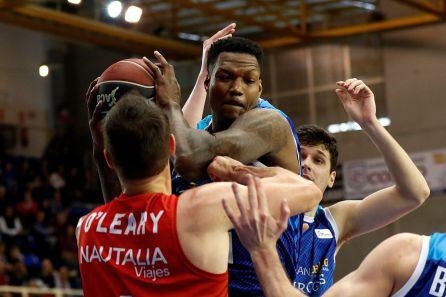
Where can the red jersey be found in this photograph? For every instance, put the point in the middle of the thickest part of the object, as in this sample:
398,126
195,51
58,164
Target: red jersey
130,247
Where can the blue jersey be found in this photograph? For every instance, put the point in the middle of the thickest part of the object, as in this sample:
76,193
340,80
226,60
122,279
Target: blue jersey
429,276
242,277
317,249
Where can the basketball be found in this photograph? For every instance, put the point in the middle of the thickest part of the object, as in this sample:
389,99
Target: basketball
120,78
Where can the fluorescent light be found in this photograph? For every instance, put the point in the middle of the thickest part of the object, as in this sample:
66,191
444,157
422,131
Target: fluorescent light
133,14
77,2
193,37
353,126
44,70
114,9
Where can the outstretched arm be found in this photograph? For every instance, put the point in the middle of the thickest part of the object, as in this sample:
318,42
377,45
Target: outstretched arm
109,181
259,231
384,271
254,134
194,106
387,205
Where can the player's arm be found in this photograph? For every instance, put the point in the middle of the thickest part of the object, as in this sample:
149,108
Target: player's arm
194,106
259,231
205,201
387,205
384,271
254,134
109,181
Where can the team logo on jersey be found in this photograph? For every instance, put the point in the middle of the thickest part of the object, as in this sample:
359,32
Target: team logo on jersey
323,233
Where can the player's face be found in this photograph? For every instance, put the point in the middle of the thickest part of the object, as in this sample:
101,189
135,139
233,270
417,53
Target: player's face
316,166
234,85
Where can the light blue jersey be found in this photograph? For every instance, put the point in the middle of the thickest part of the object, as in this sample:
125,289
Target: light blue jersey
242,277
429,276
317,249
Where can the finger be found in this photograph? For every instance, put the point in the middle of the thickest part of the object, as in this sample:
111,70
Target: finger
284,215
252,196
342,96
359,88
225,31
161,58
229,212
155,69
262,203
165,66
96,117
91,86
349,81
353,85
239,200
340,83
92,100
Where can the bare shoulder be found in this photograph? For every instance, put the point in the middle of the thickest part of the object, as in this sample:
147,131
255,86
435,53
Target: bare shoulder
203,204
401,253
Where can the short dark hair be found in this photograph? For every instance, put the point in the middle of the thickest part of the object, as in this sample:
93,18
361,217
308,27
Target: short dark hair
234,45
313,135
136,133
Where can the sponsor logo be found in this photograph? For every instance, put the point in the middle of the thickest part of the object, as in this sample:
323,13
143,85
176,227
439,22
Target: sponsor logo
323,233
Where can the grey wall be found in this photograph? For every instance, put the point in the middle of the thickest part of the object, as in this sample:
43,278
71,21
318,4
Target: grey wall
21,87
415,76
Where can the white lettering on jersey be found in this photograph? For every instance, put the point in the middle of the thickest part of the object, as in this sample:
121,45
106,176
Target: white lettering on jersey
99,227
89,221
142,224
131,225
92,253
323,233
155,220
116,222
439,284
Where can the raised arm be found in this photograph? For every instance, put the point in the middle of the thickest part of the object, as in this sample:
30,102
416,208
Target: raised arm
194,106
389,204
109,181
254,134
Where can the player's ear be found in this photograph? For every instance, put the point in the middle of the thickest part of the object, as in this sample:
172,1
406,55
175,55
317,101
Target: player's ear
331,179
260,87
172,144
108,159
207,81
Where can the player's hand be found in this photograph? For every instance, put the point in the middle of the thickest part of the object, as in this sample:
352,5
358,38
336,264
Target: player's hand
166,84
94,108
222,168
256,228
223,33
358,100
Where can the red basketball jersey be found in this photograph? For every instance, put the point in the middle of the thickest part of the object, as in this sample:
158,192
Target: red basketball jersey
130,247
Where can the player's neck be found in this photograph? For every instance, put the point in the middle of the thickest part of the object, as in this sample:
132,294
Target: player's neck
220,125
160,183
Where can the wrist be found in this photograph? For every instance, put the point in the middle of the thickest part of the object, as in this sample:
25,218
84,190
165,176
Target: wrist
370,124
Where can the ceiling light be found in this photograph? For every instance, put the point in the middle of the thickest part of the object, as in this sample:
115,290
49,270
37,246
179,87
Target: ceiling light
114,9
133,14
44,70
77,2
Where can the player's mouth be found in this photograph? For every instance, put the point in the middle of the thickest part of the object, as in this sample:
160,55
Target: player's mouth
307,176
234,102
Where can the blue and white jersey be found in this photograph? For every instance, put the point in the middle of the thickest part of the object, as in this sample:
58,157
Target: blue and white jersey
242,277
317,250
429,276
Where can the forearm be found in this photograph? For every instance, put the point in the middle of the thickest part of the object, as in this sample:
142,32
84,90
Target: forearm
192,152
271,275
194,106
110,185
408,179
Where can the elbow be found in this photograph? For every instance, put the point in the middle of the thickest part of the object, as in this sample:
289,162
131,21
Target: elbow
422,193
188,168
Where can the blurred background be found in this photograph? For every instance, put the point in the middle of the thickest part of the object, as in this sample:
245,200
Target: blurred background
51,50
